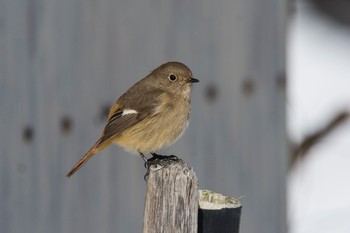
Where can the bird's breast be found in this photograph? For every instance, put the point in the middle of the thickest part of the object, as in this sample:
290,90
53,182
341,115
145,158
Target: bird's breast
158,131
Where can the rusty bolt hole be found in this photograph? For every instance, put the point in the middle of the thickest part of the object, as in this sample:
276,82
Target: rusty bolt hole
27,133
281,80
104,112
248,86
211,93
66,124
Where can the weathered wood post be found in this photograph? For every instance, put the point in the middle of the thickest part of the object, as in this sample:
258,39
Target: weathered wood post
173,199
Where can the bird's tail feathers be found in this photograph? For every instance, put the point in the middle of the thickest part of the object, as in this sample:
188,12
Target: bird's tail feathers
95,149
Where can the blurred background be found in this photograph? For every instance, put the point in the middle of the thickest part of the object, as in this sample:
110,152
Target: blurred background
269,121
318,104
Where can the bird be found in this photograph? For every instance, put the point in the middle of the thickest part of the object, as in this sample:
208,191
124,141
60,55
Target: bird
151,115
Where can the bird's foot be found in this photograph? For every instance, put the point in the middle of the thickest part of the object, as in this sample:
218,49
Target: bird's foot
156,159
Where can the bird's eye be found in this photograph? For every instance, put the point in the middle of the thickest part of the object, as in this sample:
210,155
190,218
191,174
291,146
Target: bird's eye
172,77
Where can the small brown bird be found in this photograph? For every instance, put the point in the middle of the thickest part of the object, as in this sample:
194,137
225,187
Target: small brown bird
151,115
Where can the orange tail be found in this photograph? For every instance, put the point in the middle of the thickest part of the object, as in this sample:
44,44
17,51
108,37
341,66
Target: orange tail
95,149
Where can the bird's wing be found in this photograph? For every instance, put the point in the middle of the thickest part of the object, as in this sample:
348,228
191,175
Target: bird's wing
143,106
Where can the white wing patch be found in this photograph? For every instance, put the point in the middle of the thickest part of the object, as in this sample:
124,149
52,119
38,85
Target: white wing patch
129,111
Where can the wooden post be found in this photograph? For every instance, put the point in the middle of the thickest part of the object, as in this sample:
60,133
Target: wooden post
171,198
218,213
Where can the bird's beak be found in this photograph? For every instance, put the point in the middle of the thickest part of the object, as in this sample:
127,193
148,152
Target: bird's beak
193,80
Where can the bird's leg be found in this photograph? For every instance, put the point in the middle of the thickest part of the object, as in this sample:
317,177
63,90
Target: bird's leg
144,159
147,165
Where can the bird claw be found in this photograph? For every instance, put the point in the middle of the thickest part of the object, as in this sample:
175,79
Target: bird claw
156,159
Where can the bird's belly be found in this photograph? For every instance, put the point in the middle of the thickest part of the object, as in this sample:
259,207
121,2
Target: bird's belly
153,134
